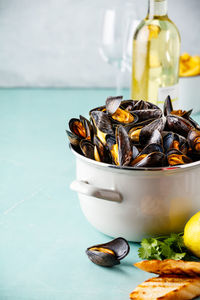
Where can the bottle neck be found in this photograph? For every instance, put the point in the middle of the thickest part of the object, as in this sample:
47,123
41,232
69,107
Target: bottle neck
157,8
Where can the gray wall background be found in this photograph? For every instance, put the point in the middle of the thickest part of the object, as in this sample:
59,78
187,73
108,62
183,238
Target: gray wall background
55,42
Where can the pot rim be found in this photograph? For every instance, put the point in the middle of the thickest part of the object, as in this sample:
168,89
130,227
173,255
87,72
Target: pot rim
105,165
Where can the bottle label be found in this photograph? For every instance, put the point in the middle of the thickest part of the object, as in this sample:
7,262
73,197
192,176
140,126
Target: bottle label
163,92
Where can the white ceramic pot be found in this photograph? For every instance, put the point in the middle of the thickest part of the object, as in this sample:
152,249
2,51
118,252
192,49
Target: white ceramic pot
136,203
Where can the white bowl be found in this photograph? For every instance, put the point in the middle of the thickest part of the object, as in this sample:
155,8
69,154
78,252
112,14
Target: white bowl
136,203
189,93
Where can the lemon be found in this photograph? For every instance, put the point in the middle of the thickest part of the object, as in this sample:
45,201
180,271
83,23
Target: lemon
192,234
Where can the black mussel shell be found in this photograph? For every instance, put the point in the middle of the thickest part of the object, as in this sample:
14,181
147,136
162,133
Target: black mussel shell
142,105
110,140
167,106
73,138
154,159
120,147
168,140
176,157
102,122
138,125
148,130
113,147
173,140
194,123
102,259
147,114
112,104
103,151
152,148
100,108
156,138
118,247
178,125
88,127
194,139
127,104
124,146
135,152
195,156
87,148
77,128
187,114
168,109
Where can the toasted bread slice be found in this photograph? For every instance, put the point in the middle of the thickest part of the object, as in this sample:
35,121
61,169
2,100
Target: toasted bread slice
170,287
170,266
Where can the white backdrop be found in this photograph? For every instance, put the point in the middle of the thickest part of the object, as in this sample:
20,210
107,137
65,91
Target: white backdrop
55,42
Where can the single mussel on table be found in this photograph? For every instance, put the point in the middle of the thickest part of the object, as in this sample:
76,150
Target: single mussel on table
136,134
108,254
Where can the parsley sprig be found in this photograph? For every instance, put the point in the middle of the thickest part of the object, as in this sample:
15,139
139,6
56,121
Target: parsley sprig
163,247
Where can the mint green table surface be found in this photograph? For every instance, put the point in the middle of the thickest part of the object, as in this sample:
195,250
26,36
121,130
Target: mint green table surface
43,233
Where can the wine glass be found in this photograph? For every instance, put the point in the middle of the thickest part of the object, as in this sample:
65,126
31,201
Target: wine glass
116,38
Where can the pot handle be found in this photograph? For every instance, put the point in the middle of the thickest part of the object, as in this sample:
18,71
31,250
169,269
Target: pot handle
83,187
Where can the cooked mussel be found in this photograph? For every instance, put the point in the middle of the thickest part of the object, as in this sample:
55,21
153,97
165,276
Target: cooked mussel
119,115
108,254
128,104
178,125
152,148
101,152
87,148
194,139
80,129
155,138
153,159
102,124
147,114
143,159
137,134
122,116
77,127
113,147
173,140
88,127
112,104
135,152
168,109
143,105
176,157
120,147
124,146
73,138
144,134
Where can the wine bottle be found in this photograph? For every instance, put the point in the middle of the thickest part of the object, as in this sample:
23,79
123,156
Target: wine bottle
156,51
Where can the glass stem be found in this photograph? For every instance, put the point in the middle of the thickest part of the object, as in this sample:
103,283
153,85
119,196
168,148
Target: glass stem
120,79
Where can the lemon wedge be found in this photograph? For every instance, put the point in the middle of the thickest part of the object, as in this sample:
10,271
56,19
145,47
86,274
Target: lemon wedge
192,234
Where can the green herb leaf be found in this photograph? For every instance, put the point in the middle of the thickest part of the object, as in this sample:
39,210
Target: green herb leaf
163,247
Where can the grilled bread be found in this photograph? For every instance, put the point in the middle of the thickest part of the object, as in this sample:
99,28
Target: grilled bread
171,287
170,266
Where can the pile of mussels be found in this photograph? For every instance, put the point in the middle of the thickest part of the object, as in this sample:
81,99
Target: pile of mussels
137,134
